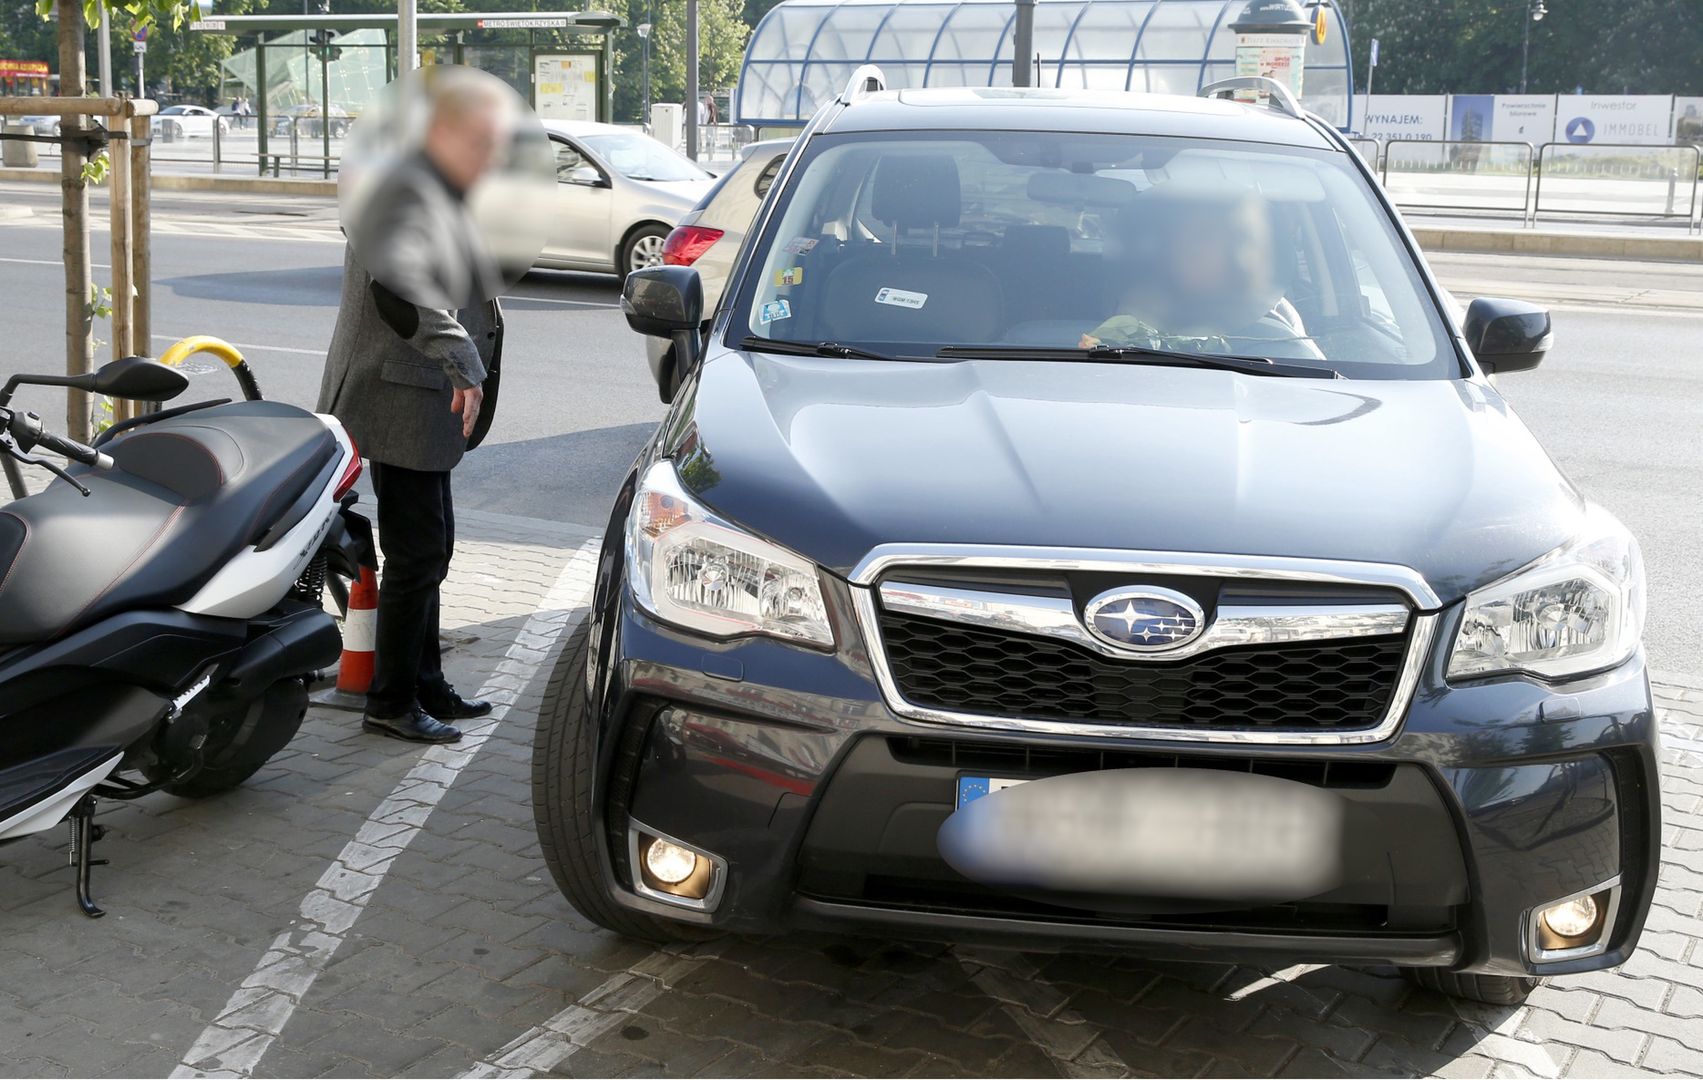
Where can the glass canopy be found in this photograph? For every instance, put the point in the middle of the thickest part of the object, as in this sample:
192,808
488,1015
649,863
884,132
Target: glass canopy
804,51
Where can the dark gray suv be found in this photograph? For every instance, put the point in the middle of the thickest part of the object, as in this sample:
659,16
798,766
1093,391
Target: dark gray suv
1086,524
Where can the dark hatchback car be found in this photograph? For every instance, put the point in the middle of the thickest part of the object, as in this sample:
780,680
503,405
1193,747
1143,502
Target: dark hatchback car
1087,524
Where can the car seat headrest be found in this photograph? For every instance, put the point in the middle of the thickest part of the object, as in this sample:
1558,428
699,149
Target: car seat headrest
917,191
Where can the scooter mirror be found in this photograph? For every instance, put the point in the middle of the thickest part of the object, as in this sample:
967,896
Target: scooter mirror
137,378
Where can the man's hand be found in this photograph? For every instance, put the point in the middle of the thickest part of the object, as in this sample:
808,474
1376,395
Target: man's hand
467,403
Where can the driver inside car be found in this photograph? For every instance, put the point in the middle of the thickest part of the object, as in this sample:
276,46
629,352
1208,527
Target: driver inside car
1202,279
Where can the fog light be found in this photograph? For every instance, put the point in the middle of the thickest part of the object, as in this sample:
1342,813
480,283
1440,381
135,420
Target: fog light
669,864
669,870
1576,926
1572,919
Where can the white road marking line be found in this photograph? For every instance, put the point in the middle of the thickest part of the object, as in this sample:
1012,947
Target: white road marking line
609,1005
249,348
553,300
233,1044
1040,1012
49,262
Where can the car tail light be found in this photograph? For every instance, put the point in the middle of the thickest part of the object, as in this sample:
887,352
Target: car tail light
351,471
686,243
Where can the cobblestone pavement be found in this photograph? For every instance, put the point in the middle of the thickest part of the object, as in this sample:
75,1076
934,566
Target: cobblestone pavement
368,908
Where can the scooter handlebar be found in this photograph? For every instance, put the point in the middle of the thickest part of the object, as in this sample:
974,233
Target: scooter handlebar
29,435
74,451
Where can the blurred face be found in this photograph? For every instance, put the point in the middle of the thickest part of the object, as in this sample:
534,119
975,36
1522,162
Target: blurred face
463,142
1221,253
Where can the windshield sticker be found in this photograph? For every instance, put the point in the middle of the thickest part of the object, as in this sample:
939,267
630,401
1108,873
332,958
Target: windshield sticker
902,298
800,245
775,311
792,275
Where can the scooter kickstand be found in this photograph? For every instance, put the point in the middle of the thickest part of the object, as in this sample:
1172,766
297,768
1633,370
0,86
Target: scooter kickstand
84,833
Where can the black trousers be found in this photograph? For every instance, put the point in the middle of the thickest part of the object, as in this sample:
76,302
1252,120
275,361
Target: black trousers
416,531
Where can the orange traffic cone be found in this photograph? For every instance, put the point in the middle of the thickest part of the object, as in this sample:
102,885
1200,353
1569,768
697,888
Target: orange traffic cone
355,670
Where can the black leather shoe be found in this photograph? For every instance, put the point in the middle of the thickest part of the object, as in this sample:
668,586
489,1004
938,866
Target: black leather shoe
449,705
415,725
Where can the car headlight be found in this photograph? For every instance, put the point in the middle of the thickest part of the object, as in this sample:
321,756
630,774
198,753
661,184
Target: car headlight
696,570
1577,610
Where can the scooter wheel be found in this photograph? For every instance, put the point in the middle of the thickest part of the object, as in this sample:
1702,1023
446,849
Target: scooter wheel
245,740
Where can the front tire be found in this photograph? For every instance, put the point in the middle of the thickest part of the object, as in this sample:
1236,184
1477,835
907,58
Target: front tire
564,755
1489,989
643,248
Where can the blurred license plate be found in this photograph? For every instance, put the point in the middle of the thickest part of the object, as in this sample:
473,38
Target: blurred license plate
971,788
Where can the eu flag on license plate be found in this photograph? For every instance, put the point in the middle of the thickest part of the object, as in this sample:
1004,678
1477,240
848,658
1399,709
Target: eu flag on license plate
971,788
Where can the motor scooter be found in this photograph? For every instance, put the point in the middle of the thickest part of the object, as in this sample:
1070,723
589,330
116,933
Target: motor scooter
161,602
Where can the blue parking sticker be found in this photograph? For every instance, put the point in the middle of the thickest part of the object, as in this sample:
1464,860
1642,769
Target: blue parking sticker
775,311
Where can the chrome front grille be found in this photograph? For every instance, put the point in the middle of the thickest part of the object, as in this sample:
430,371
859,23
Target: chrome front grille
1309,686
1308,655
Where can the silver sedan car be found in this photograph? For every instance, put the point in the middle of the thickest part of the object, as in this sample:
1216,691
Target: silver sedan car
619,192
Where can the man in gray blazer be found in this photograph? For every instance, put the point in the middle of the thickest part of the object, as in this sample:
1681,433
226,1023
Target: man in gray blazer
408,382
412,375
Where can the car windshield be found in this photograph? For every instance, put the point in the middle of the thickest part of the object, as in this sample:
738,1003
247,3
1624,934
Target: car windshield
908,244
641,157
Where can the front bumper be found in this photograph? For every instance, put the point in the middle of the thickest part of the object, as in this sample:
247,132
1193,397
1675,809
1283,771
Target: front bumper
1489,801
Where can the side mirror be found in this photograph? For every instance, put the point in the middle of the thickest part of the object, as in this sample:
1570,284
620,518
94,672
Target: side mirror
586,176
136,378
667,302
1507,335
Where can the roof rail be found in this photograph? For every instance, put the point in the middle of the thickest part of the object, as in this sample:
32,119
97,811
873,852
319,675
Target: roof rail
1279,96
865,80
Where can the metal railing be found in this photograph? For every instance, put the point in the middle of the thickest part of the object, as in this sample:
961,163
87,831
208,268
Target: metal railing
296,144
1618,179
1660,183
1369,149
721,143
1450,175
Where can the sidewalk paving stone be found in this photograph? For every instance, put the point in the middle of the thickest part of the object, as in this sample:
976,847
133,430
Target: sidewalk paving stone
467,945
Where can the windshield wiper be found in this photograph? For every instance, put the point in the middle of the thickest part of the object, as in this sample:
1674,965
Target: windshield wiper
1247,365
812,348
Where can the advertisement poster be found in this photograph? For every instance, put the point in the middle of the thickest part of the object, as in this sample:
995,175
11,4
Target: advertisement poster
1472,117
566,86
1402,116
1527,118
1273,56
1643,119
1688,120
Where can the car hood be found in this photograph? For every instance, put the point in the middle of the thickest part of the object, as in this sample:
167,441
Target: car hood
834,457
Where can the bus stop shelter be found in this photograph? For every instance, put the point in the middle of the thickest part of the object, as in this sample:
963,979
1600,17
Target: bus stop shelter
559,62
803,51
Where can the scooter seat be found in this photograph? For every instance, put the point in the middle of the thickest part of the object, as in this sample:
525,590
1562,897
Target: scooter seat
185,494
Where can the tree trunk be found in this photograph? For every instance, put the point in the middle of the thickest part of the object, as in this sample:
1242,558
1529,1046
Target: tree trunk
74,194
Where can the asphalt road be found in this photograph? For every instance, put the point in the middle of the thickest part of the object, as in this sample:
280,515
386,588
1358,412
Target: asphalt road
1618,403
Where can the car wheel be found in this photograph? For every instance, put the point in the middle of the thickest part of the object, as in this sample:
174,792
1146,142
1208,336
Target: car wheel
176,129
1489,989
643,248
564,752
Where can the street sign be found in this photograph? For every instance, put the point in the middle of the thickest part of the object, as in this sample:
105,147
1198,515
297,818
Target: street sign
139,34
541,22
207,24
140,45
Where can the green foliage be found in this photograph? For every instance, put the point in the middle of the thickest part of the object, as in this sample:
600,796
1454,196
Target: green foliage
722,32
1474,46
95,169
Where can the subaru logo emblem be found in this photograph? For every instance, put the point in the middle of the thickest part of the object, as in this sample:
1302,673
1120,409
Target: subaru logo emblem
1144,620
